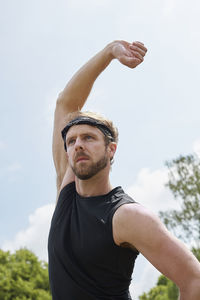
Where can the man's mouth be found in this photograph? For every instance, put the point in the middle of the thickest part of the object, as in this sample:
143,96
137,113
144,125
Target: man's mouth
81,158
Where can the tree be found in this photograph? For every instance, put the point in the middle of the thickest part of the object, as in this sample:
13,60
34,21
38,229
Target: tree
23,276
184,183
164,290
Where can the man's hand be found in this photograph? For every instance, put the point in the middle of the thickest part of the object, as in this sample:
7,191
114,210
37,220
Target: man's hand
129,54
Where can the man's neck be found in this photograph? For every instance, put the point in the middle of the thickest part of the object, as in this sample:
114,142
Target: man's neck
95,186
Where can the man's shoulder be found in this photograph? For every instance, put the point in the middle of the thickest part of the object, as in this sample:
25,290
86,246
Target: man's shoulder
133,213
133,222
119,195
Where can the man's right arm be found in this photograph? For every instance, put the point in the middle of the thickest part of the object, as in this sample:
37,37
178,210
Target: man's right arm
75,94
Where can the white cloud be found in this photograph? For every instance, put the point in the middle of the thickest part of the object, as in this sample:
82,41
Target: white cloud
36,235
150,190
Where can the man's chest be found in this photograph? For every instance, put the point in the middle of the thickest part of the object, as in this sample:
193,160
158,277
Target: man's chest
86,234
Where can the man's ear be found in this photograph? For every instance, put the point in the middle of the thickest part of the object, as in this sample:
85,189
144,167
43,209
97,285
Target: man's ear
112,147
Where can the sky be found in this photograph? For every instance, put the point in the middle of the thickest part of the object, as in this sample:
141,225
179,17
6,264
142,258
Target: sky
155,106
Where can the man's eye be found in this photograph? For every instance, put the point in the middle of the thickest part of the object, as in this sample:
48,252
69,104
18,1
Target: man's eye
88,137
70,142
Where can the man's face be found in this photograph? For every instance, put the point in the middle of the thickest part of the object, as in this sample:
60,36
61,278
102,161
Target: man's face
86,151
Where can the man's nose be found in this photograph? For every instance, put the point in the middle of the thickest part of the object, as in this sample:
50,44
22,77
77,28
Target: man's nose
79,144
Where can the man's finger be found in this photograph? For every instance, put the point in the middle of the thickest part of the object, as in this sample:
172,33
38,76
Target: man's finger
139,45
137,50
131,62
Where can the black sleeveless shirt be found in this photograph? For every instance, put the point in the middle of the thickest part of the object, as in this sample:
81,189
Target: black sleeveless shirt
84,261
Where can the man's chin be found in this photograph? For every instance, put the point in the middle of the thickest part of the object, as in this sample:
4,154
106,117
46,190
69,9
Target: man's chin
83,176
85,172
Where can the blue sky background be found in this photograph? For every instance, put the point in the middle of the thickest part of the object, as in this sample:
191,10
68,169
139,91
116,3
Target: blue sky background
155,106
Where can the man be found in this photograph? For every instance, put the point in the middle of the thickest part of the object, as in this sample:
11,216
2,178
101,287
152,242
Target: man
97,231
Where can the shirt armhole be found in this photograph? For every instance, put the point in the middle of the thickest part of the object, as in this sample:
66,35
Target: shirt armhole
110,219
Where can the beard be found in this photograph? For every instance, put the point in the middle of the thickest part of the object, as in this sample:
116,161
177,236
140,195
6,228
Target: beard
85,172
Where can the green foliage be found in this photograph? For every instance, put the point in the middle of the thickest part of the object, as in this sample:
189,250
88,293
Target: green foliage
196,252
23,276
164,290
184,183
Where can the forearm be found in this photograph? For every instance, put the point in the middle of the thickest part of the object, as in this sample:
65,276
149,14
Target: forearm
78,88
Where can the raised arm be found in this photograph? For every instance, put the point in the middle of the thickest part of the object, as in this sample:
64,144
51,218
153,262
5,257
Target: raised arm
76,92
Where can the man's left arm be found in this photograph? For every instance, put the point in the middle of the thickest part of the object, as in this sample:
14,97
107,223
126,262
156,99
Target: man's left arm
142,229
